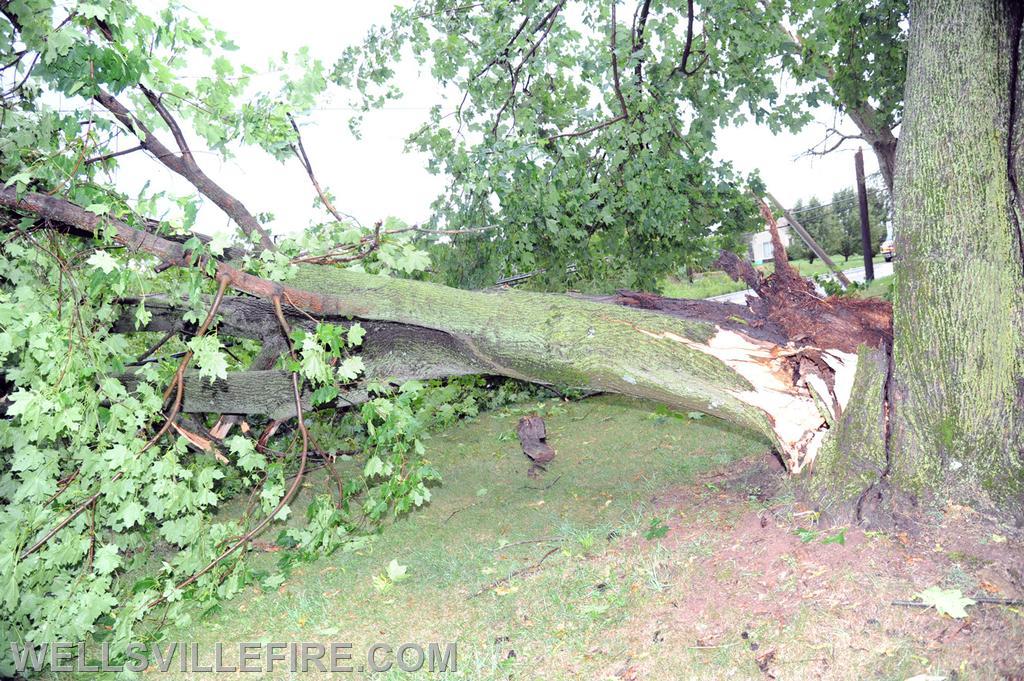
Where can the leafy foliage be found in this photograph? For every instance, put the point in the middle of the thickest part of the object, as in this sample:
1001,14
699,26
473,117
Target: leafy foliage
99,524
74,430
588,144
588,141
852,54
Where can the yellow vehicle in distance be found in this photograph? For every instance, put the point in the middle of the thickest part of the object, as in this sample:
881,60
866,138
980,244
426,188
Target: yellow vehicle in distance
888,250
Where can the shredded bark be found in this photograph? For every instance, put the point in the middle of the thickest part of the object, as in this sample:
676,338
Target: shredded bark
790,302
726,315
532,435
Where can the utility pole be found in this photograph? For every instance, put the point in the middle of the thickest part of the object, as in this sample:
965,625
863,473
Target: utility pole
865,228
809,240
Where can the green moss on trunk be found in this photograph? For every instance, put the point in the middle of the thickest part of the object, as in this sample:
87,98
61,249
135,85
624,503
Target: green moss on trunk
854,457
958,297
560,340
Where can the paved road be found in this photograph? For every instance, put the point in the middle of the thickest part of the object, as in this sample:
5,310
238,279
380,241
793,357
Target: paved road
882,269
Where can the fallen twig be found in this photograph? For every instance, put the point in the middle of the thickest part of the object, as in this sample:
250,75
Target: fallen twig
545,487
980,600
521,571
720,645
458,510
527,541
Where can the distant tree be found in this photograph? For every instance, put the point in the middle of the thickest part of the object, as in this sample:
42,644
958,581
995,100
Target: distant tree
797,249
821,224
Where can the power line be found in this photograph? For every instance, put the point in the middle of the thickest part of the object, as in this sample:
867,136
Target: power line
842,202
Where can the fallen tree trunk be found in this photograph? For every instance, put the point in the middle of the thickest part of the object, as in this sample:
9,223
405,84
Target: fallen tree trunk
784,366
734,362
688,364
391,353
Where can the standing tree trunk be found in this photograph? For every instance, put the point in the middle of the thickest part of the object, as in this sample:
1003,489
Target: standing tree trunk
881,139
957,392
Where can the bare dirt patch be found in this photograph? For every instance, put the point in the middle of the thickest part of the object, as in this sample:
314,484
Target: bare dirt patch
756,588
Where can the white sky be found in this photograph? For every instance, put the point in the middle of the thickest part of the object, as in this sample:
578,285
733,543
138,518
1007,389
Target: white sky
374,177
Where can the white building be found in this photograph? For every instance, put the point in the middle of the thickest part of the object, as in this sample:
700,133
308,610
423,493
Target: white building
760,244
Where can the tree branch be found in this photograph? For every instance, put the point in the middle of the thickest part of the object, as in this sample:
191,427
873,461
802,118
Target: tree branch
172,125
587,131
185,166
688,46
113,154
547,23
20,84
624,116
829,134
613,46
299,150
639,27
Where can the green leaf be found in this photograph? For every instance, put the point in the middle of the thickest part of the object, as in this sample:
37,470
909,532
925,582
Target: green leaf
22,178
218,243
106,559
142,315
657,529
274,581
314,361
117,456
132,514
413,260
805,535
145,584
374,467
396,572
946,601
838,538
104,261
324,394
350,368
355,334
208,357
247,457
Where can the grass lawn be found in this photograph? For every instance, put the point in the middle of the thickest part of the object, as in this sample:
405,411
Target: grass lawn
656,546
879,288
715,283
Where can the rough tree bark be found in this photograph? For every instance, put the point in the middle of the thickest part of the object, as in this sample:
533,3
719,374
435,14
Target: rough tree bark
944,417
737,365
958,376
